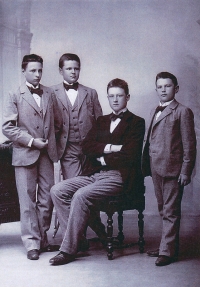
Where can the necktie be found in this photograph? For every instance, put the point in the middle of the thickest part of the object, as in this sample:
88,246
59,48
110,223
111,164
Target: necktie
74,86
37,91
113,116
160,108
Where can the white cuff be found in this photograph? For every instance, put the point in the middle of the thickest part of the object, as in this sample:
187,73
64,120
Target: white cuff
30,142
102,160
107,148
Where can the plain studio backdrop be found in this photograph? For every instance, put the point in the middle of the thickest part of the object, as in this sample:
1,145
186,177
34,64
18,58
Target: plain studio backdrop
132,40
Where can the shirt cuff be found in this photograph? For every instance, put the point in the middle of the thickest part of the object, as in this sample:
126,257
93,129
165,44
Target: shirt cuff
107,148
102,160
30,142
115,148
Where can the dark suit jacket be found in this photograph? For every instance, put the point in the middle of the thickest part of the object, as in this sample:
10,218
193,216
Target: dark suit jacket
23,120
129,133
89,110
173,142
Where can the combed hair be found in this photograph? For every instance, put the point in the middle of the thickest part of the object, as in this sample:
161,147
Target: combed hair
167,75
68,57
118,83
31,58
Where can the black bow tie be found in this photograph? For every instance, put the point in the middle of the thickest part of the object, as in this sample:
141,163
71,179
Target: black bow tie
113,116
37,91
74,86
160,108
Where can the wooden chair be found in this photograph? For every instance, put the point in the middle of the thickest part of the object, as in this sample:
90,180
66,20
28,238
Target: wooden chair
9,202
120,204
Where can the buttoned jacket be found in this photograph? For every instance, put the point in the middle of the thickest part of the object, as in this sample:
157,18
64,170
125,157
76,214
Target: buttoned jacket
24,120
172,142
89,110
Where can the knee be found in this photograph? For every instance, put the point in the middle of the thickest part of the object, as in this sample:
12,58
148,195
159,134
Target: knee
54,191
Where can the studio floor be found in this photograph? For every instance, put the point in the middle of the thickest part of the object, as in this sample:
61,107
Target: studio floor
92,269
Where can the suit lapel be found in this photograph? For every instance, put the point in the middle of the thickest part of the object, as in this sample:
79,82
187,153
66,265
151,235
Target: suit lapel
82,93
61,95
166,112
121,127
44,99
27,96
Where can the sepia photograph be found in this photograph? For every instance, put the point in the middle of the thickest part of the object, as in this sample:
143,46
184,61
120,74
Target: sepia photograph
100,143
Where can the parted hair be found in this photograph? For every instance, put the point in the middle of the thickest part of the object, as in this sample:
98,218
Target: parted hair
118,83
69,57
31,58
167,75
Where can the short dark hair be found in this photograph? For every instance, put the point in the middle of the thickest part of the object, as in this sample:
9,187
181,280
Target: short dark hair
69,57
118,83
31,58
167,75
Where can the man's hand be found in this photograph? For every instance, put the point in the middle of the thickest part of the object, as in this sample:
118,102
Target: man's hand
40,143
184,179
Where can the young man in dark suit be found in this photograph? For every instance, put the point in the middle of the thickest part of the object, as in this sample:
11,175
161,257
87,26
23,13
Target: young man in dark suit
113,150
80,108
31,121
169,157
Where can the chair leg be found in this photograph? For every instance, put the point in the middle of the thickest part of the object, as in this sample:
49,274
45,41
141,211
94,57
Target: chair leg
110,235
120,235
141,241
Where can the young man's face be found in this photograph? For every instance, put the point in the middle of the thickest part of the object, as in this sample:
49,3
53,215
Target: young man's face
70,71
166,90
33,73
117,98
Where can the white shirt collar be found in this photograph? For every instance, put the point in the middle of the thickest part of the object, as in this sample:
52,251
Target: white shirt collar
123,110
166,103
68,83
31,86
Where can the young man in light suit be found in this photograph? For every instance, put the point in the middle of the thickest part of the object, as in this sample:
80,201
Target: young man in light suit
31,121
80,108
169,157
113,150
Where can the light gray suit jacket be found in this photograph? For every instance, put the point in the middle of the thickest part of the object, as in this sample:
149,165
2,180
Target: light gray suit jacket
23,120
173,142
89,110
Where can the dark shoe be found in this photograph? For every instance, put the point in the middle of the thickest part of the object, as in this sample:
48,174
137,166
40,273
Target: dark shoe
62,258
33,254
163,260
84,245
153,253
50,248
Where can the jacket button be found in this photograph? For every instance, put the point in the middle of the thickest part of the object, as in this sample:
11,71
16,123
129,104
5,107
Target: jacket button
37,127
35,114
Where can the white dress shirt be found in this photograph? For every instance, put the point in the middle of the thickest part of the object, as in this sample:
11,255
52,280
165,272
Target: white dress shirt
162,105
35,96
109,148
71,93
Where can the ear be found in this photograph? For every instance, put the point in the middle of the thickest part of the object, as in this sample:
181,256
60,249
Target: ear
176,89
127,97
60,71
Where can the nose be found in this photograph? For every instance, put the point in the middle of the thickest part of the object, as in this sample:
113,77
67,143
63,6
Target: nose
37,74
164,89
115,99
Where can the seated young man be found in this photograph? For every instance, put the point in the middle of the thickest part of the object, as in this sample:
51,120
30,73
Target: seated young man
113,149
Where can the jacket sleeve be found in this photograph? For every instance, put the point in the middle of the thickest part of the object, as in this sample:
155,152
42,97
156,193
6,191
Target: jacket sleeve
188,141
10,119
96,105
131,150
58,121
